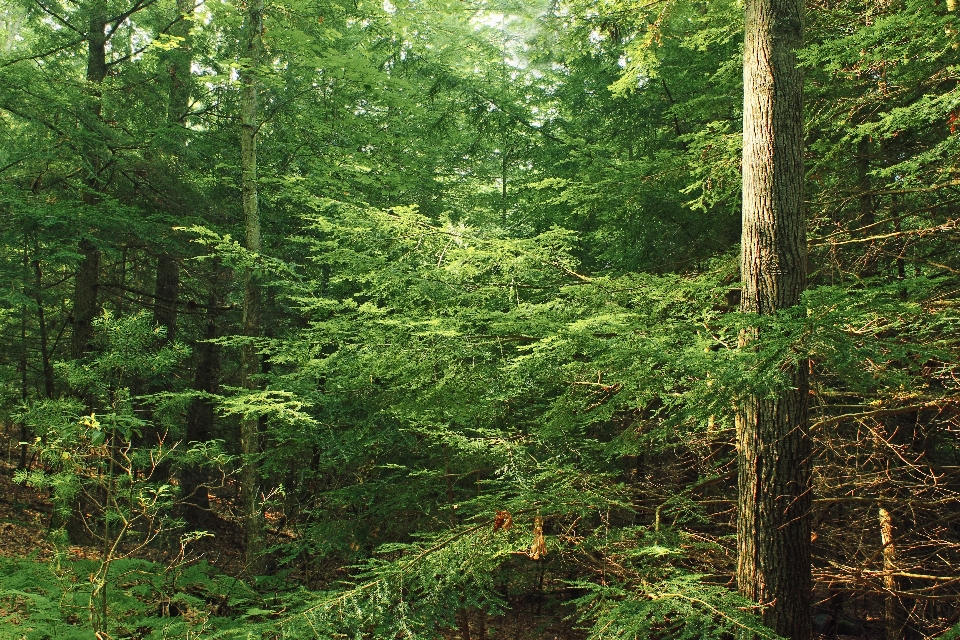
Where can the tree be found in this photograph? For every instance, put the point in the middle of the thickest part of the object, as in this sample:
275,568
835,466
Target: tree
773,444
495,245
249,425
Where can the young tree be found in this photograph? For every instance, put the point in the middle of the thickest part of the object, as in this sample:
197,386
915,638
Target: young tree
773,445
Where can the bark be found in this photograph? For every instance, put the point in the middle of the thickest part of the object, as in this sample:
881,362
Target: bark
201,415
867,216
773,447
168,269
167,292
44,337
866,213
249,426
180,60
192,478
22,365
87,278
97,44
86,285
894,613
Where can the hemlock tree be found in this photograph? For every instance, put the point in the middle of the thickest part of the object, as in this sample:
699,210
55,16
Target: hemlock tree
773,445
249,425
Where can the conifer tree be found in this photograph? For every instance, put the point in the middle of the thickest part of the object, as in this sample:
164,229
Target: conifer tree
773,445
249,424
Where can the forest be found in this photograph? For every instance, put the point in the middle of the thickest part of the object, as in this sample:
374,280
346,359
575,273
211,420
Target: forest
470,319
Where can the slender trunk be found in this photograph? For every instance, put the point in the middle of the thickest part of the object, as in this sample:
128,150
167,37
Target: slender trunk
902,248
122,279
894,614
167,284
24,430
773,447
44,337
100,580
482,624
865,199
166,293
503,188
866,213
249,427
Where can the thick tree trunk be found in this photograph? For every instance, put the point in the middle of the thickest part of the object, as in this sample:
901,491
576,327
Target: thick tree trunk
773,446
249,426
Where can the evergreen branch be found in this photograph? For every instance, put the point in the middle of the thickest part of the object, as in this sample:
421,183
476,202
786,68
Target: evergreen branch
408,565
763,632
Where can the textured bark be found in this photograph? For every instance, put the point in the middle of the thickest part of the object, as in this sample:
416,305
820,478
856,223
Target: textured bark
773,447
249,427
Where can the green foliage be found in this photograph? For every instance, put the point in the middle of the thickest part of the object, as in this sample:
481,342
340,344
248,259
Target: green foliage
498,275
47,601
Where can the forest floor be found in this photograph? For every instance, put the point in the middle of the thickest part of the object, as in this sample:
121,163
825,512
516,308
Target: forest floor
25,515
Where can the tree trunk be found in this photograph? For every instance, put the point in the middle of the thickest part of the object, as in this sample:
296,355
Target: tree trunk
97,46
866,213
249,426
201,414
773,447
24,429
167,288
42,326
87,278
167,291
180,60
895,615
86,284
